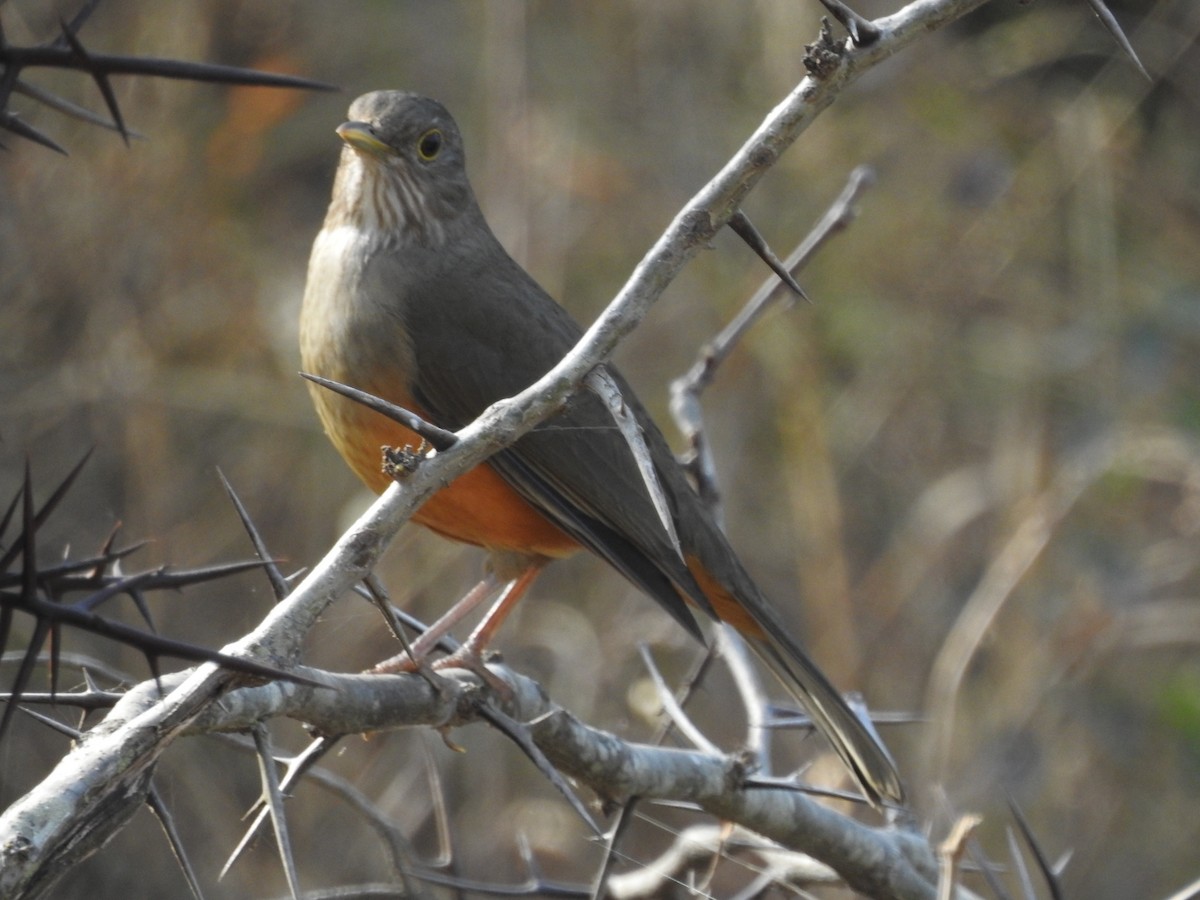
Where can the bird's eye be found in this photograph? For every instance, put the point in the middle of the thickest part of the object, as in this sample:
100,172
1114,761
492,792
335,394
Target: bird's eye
430,144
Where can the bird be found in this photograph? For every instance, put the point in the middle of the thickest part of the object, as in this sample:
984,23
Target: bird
411,297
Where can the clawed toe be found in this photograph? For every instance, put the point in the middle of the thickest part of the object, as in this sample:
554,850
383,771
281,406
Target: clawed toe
465,657
473,661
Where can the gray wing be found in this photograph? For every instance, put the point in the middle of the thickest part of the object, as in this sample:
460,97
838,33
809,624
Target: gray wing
576,467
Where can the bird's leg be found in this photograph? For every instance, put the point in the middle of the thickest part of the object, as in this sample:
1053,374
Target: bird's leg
470,654
505,604
404,662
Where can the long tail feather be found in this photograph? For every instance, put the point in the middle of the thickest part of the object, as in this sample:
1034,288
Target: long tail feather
855,742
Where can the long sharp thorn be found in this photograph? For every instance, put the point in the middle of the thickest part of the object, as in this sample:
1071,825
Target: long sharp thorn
85,13
863,32
5,625
101,80
167,821
439,437
152,662
278,583
49,506
55,658
153,646
120,586
624,819
1113,27
28,542
744,228
274,798
53,724
67,108
10,122
1031,842
297,767
206,72
6,519
261,814
518,733
24,673
139,600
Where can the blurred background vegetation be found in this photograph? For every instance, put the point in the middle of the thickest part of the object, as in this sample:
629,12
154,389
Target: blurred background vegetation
993,404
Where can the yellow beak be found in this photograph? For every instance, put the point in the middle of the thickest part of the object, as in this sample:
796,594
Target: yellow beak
360,136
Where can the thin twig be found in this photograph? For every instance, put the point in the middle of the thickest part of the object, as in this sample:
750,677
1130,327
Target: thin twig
950,852
673,710
273,800
686,390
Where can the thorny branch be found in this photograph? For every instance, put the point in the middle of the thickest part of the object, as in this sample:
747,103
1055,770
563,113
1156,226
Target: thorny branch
68,52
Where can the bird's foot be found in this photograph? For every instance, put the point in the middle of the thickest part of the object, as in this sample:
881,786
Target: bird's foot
476,660
467,657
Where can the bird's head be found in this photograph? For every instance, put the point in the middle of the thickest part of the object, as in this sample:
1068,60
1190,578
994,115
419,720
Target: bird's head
403,168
